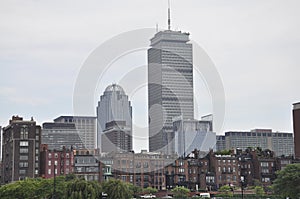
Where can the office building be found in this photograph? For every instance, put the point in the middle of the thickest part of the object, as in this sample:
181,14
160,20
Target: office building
296,125
114,105
279,142
86,127
170,86
21,144
220,143
116,137
59,135
193,134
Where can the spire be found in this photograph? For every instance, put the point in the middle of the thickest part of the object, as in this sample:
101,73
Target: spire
169,16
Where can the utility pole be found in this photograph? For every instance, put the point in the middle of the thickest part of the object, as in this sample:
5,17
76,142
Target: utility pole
54,183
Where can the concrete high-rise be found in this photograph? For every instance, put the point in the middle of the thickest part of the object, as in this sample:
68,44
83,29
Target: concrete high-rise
21,145
58,135
116,137
170,86
86,127
280,142
114,105
296,125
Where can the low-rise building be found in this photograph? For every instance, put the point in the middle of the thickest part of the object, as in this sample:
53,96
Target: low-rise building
86,165
56,162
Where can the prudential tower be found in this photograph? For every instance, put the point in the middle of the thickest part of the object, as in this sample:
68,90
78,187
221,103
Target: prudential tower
170,86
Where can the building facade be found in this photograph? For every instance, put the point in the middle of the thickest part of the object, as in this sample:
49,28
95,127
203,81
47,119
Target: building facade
116,137
193,134
114,105
56,162
279,142
170,86
86,127
86,165
20,156
220,143
59,135
144,169
296,125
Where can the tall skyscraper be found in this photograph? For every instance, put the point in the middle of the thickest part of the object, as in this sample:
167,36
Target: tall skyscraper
170,86
114,105
296,125
21,144
86,127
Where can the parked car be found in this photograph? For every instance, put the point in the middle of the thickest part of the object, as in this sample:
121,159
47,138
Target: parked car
148,196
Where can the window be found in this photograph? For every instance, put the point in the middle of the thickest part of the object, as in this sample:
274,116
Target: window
49,155
49,163
23,143
67,155
23,157
67,162
265,179
23,150
180,163
22,171
36,171
49,171
23,164
55,155
24,133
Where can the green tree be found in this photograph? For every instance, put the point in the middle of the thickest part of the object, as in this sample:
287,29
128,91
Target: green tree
226,190
287,183
135,190
20,189
117,189
82,189
180,192
150,190
259,190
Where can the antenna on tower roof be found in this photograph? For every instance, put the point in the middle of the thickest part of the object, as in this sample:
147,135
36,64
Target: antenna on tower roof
169,16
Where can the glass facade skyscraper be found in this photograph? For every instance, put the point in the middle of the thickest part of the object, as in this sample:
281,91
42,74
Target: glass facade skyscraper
170,86
114,105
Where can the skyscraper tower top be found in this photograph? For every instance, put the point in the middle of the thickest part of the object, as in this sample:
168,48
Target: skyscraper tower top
114,88
169,16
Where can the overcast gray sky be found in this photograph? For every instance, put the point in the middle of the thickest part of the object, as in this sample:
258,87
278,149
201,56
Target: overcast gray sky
254,44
